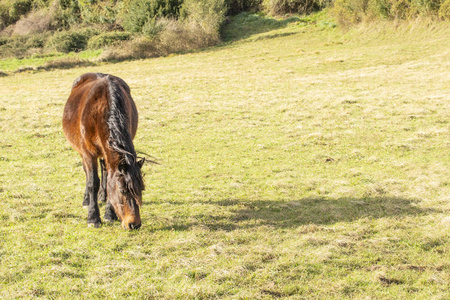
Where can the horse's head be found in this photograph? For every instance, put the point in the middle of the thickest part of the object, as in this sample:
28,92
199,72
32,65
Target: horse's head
124,189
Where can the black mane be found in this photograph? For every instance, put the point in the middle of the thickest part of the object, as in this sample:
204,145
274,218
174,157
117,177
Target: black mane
119,137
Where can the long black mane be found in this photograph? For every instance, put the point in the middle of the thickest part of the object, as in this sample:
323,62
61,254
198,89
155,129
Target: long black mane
120,138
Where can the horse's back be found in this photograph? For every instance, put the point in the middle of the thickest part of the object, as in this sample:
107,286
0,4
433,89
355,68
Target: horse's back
86,112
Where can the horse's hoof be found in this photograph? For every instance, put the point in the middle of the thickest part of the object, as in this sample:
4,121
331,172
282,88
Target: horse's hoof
95,225
110,218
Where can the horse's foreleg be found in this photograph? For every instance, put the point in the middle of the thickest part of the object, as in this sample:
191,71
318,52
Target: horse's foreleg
92,187
102,192
110,214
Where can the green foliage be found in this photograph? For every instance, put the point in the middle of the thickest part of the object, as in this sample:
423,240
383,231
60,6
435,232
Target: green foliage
98,12
107,39
12,10
40,4
354,11
349,12
152,28
444,10
19,46
68,13
208,14
137,13
283,7
71,41
237,6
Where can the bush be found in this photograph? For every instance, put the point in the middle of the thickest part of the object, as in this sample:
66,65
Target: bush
353,11
140,47
19,8
20,46
208,15
444,10
71,41
283,7
197,27
107,39
67,13
12,10
349,12
98,12
137,13
235,7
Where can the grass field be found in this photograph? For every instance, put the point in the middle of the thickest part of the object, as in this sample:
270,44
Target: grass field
302,162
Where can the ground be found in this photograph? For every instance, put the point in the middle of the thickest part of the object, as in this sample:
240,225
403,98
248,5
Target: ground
304,161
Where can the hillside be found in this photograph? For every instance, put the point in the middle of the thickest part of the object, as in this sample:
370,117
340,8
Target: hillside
50,34
300,161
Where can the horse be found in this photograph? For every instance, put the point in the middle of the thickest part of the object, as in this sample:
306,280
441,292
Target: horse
100,121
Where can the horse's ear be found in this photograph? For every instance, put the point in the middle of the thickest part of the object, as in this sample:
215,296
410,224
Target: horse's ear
140,162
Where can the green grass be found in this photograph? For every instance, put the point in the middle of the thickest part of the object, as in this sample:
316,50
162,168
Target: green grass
14,64
299,162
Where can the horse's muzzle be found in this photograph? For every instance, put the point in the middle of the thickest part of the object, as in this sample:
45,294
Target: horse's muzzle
133,226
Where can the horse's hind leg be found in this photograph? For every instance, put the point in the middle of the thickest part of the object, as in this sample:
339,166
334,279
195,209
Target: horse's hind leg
104,173
92,187
86,198
86,193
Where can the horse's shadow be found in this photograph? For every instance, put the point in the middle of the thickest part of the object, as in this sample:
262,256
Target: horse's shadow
246,214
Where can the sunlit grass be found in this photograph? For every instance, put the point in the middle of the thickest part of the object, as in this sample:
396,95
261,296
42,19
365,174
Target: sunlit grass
13,64
298,162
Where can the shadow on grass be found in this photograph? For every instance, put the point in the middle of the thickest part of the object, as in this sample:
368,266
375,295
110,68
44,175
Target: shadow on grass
242,214
246,24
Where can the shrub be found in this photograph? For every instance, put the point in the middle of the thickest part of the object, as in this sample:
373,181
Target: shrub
21,46
235,7
153,27
71,41
98,12
444,10
283,7
19,8
107,39
354,11
136,13
67,13
349,12
208,15
12,10
140,47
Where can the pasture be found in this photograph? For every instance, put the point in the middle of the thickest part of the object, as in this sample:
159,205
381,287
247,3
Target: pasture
303,162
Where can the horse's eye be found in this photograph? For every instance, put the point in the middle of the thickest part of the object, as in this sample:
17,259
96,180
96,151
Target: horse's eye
123,192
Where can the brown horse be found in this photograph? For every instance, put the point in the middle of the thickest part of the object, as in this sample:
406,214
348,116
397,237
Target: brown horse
100,121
